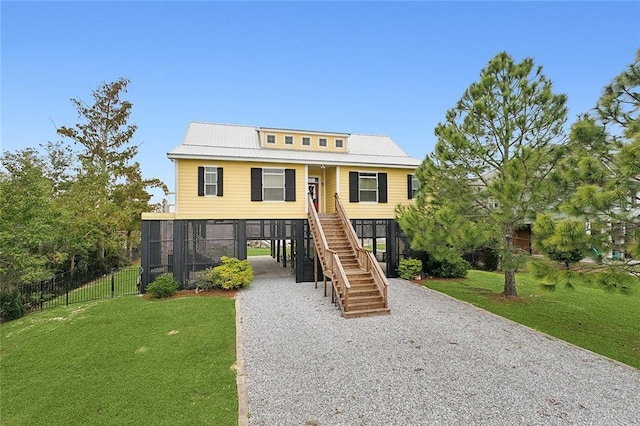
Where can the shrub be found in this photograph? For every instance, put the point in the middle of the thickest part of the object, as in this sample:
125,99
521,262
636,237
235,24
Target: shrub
452,268
11,306
409,268
163,286
233,273
207,279
568,258
486,259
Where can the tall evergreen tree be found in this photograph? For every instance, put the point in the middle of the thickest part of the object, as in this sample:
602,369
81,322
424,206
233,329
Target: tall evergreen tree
602,175
490,171
107,153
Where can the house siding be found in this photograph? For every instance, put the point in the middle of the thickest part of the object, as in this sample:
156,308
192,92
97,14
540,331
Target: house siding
331,189
396,194
236,201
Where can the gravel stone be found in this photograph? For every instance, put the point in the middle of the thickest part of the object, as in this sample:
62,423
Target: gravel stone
434,360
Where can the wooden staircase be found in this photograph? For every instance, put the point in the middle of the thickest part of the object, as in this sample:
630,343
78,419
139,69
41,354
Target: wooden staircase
358,284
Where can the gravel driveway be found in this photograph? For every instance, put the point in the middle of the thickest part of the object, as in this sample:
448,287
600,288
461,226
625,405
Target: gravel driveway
434,360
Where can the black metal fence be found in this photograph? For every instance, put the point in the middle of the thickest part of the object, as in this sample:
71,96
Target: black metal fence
80,286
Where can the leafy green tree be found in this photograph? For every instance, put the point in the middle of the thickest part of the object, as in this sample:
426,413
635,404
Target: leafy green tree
29,220
490,172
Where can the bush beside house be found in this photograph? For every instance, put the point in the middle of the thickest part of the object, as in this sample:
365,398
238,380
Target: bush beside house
232,274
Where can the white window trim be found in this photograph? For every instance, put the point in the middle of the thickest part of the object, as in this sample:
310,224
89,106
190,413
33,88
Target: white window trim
293,140
275,139
326,145
335,143
415,185
368,190
302,141
215,173
284,190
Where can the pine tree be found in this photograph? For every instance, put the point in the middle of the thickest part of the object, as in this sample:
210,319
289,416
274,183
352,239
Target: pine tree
490,172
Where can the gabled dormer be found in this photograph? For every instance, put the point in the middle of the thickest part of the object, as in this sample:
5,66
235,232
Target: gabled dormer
302,140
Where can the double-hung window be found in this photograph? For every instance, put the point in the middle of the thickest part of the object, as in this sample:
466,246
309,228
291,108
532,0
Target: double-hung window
209,181
413,184
273,184
368,186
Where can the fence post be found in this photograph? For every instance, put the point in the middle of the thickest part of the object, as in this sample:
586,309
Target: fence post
113,281
41,294
66,288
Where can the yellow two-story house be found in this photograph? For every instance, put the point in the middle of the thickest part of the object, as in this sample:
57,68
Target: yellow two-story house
236,184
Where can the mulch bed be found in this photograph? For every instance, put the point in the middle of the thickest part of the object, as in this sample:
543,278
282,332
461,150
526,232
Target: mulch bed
229,294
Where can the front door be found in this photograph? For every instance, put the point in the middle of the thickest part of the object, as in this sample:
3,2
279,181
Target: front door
314,191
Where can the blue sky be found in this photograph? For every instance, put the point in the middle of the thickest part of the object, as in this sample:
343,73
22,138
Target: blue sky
390,68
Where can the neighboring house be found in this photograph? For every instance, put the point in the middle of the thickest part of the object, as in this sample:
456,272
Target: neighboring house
236,184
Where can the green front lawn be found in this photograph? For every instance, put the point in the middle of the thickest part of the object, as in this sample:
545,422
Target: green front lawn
121,361
604,322
259,251
125,282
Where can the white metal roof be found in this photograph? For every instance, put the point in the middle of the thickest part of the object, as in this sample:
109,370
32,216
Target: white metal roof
233,142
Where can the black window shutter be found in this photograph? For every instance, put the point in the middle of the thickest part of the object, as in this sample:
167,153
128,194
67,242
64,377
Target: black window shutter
200,181
256,184
382,187
409,186
354,178
220,183
289,184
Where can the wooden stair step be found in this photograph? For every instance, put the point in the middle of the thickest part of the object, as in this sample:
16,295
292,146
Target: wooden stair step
364,300
366,312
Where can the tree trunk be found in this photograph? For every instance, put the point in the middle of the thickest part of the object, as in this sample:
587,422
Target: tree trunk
509,284
72,267
509,263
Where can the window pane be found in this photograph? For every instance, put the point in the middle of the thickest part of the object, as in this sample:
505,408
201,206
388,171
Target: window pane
368,195
274,194
210,189
271,181
368,183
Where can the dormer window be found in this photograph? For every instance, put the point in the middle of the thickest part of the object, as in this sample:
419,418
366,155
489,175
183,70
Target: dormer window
306,141
322,142
288,140
339,143
271,139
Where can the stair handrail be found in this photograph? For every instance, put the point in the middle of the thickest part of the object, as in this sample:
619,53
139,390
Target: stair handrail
366,260
334,269
313,215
